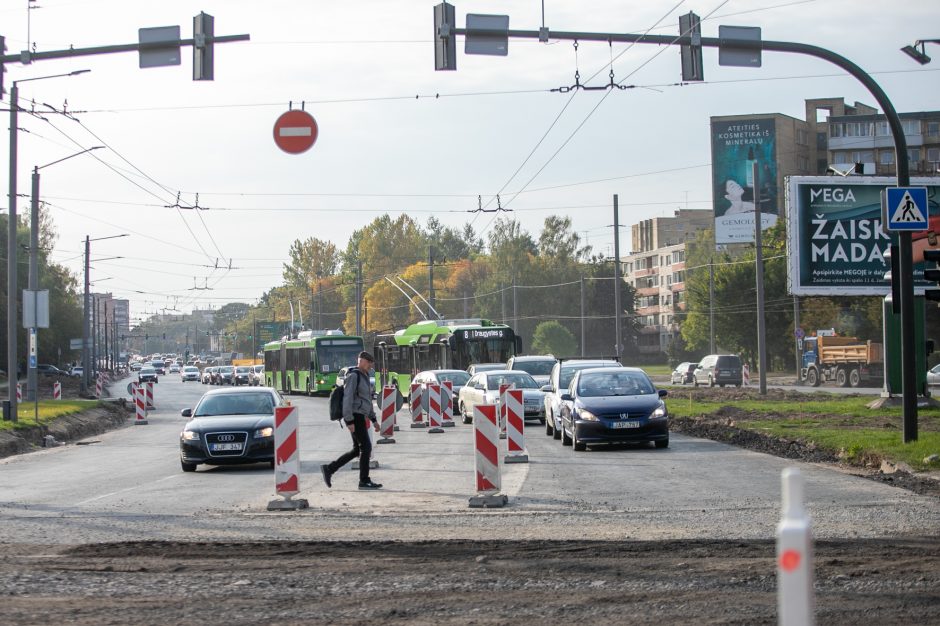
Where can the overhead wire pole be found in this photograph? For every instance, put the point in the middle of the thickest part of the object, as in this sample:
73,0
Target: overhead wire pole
445,59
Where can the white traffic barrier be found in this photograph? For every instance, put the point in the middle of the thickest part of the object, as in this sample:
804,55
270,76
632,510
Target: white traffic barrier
19,392
150,405
515,427
434,408
501,399
98,386
57,390
447,403
486,457
387,423
795,600
286,460
414,402
745,374
140,402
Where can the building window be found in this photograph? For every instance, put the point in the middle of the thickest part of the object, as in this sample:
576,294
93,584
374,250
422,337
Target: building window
835,130
858,129
840,157
802,137
933,155
802,163
882,129
911,127
886,157
913,155
933,130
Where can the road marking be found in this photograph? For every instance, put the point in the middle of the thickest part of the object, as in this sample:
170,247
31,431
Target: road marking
114,493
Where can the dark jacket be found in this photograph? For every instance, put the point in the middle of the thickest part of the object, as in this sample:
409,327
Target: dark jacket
357,395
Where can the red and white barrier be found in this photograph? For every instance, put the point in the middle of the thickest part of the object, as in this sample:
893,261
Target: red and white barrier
98,386
501,399
795,600
434,408
447,403
387,424
414,401
56,390
140,401
486,442
515,427
19,392
149,387
286,459
746,374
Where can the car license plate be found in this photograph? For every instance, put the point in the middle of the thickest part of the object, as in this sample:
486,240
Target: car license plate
221,447
625,425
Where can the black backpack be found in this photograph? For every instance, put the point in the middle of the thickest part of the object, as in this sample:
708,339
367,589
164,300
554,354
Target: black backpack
336,401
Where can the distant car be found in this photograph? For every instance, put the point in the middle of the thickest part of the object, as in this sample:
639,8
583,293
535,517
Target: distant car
256,375
683,373
613,405
230,426
240,375
483,388
158,365
189,373
49,370
457,378
476,368
147,374
174,368
226,375
933,375
207,375
559,380
77,371
135,366
539,367
718,369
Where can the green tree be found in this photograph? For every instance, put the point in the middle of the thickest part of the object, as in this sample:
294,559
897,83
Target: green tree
553,338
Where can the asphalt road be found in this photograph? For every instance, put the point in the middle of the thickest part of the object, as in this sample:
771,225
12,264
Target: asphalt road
128,485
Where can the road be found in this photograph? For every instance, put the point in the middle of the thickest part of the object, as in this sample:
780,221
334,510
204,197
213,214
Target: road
128,485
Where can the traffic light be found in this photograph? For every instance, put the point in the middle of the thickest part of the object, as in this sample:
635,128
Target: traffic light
893,277
203,61
691,26
933,274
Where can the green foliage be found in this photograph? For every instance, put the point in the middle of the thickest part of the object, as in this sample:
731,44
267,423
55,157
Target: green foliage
553,338
48,410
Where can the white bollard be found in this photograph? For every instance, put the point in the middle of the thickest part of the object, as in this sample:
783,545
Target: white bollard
56,390
795,600
140,402
286,460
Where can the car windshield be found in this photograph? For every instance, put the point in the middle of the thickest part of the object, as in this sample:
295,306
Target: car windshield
614,384
536,368
568,372
235,404
520,381
227,369
147,370
457,378
190,369
241,370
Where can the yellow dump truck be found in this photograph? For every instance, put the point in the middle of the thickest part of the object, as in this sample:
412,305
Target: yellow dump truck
847,361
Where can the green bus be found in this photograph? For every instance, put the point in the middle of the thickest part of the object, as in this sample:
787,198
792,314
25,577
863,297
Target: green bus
309,363
442,344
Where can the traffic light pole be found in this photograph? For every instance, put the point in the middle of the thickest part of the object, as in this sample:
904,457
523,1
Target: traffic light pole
447,32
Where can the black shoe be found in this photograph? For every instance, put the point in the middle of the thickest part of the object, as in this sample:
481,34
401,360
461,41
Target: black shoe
368,484
325,470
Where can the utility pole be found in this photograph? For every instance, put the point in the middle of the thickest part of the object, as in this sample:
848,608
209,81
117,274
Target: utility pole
711,305
431,276
617,306
320,301
502,303
582,316
759,272
515,309
359,297
797,339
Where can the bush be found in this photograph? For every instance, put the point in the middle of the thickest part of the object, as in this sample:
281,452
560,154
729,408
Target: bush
553,338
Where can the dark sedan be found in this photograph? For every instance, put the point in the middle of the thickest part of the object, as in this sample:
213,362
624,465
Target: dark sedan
147,375
228,427
240,375
226,375
614,405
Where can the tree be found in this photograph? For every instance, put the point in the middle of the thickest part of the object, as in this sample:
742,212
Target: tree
310,261
559,243
553,338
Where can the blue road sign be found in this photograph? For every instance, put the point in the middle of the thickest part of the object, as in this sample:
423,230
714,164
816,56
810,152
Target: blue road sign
906,208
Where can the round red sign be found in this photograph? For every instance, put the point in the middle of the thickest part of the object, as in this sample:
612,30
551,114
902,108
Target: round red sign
295,132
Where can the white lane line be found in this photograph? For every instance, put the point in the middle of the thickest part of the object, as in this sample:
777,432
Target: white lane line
114,493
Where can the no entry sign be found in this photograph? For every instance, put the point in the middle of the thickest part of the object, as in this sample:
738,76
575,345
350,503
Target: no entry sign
295,132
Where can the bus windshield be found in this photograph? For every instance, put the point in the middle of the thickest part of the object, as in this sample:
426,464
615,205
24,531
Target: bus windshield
335,354
495,350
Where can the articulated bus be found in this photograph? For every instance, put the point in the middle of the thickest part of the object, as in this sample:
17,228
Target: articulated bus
309,363
443,344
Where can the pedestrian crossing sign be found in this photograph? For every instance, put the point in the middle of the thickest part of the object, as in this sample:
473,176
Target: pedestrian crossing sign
906,208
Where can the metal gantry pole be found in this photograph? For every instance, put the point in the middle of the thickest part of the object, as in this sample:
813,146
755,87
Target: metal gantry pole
86,323
33,284
618,331
12,368
582,316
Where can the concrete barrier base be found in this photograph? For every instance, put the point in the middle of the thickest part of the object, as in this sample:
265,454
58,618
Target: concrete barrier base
489,501
288,504
516,458
386,440
419,425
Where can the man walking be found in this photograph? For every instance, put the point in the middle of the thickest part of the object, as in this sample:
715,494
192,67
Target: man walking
357,408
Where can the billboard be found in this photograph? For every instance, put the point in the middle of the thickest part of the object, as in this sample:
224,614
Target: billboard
271,331
835,239
736,146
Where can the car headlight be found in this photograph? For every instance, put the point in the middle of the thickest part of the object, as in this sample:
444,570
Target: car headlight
264,432
660,412
587,416
190,435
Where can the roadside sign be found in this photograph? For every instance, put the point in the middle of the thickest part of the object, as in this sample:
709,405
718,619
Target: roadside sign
295,132
159,46
905,208
798,333
487,34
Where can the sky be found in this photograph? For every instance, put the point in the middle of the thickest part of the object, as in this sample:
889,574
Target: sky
395,136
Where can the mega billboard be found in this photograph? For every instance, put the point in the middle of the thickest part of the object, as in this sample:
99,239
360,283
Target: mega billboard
736,146
835,239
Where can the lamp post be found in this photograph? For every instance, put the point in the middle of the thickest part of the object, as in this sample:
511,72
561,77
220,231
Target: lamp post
11,242
31,376
86,313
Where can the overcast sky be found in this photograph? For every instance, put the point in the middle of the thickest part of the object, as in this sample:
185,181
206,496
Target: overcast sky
396,136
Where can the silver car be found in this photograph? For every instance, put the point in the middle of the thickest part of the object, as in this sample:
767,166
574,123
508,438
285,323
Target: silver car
933,375
483,388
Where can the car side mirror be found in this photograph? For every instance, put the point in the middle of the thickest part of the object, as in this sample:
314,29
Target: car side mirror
546,388
663,393
186,412
567,397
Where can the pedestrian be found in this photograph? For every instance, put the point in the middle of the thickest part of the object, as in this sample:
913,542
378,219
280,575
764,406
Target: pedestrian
357,408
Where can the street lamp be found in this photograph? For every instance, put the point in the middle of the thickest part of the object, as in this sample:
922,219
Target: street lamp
31,375
11,243
916,51
86,331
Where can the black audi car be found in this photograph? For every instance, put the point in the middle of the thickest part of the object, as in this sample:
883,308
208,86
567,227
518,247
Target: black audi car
230,426
613,405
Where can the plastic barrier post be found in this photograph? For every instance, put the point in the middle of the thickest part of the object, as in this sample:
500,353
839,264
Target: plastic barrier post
140,402
795,601
501,399
286,460
746,374
414,401
434,408
486,442
98,386
19,392
447,403
387,425
150,405
57,391
515,427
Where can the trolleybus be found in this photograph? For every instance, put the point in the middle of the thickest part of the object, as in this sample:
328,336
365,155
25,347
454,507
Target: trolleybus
309,363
